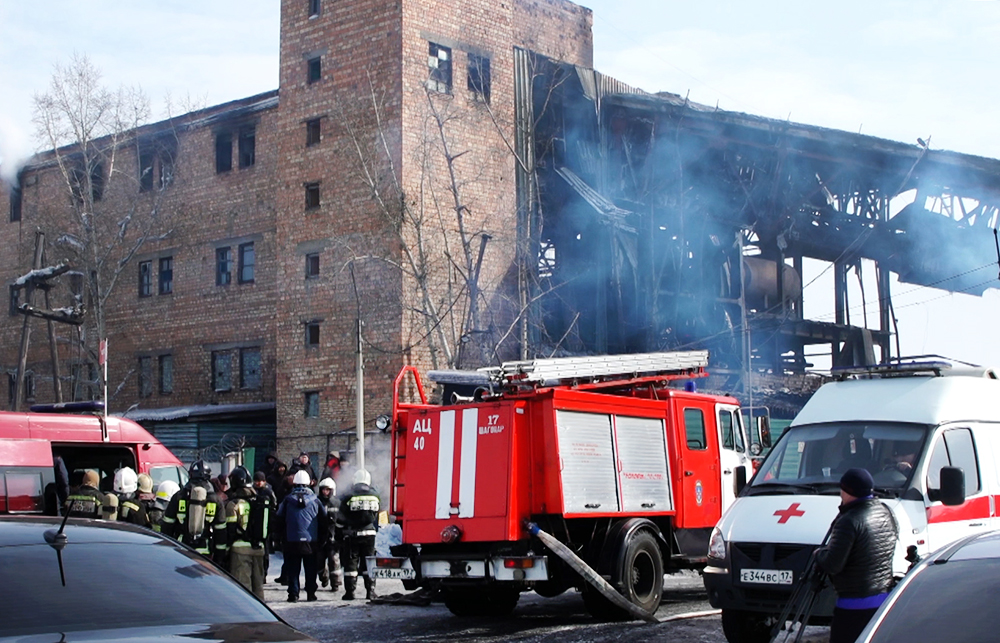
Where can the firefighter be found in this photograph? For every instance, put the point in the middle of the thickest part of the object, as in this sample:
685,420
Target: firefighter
164,492
329,556
145,494
129,508
195,518
86,501
359,509
262,488
248,516
302,512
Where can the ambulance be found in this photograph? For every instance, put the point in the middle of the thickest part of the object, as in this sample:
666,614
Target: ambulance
84,439
929,433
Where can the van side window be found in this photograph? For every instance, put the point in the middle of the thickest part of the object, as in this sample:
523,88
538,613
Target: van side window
694,429
954,448
24,492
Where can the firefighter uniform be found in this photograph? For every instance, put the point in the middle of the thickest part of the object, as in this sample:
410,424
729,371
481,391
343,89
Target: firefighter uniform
248,528
358,519
87,500
198,522
329,554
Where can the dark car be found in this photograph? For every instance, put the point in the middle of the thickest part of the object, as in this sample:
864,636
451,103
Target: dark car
113,581
951,596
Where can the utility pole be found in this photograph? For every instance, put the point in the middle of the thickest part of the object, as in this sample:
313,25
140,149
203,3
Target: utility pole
361,401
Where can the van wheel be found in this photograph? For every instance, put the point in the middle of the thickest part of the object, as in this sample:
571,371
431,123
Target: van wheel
640,581
747,627
465,601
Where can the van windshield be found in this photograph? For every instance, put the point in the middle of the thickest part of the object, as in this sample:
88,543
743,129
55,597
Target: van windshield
811,458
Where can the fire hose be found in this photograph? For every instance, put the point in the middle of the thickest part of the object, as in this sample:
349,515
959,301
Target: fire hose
589,574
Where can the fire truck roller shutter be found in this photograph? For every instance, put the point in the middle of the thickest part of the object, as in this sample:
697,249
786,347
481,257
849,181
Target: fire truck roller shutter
633,558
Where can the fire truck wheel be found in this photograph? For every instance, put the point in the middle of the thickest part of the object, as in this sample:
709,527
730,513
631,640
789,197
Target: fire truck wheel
746,627
472,602
642,572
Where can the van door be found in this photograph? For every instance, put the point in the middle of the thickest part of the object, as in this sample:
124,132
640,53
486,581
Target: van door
732,450
956,447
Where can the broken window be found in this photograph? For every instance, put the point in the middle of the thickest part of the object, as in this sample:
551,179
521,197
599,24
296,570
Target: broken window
222,371
146,171
312,196
312,265
145,376
313,132
250,368
166,275
247,262
312,334
145,278
223,152
166,363
247,145
314,70
311,404
314,6
479,77
439,66
223,266
15,202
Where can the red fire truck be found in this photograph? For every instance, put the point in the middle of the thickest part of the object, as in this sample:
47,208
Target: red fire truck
30,442
616,457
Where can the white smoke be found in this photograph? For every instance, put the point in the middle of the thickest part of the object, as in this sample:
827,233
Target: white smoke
15,148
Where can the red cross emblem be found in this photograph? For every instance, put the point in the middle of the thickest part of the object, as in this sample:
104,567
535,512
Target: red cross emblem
791,512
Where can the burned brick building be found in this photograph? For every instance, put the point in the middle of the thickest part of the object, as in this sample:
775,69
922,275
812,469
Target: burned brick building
458,182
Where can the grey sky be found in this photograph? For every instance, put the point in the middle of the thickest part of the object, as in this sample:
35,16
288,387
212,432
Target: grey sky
894,69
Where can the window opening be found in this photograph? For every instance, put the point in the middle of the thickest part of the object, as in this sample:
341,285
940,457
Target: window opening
479,77
311,404
145,278
247,262
314,70
166,275
222,371
313,132
314,7
223,266
312,196
439,67
223,152
312,265
145,376
166,374
247,145
250,368
312,334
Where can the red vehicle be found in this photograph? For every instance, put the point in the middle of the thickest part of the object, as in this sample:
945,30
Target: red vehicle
29,443
600,453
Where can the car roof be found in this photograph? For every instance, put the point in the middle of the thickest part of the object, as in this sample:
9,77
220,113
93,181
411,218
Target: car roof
29,530
977,547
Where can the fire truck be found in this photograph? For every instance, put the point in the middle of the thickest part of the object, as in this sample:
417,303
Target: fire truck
601,473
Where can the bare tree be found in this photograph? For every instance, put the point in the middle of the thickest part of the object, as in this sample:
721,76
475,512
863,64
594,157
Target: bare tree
111,181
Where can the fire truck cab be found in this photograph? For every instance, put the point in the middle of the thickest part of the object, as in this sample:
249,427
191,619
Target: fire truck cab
928,432
605,454
31,442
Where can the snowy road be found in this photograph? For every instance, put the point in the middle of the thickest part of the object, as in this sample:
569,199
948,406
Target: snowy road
536,619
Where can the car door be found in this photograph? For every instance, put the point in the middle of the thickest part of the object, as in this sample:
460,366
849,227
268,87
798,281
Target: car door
732,450
956,447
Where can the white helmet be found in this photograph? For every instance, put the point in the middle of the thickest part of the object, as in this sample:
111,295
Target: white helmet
167,489
361,476
301,477
126,481
328,483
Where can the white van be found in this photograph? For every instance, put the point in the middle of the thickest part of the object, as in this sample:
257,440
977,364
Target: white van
930,436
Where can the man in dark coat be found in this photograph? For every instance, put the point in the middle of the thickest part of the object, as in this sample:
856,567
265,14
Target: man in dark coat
302,513
359,509
858,555
86,500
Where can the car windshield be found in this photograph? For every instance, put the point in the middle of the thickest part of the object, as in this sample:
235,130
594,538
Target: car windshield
957,598
812,458
116,584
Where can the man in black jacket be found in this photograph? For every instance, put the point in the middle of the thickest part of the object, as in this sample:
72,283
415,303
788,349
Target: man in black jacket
858,555
359,509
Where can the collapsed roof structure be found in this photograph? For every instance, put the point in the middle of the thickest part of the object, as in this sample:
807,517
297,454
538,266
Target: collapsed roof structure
660,224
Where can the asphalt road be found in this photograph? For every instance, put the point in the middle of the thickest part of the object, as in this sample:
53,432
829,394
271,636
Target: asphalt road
535,620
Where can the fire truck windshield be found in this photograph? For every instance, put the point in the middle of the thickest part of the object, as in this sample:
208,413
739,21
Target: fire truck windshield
811,458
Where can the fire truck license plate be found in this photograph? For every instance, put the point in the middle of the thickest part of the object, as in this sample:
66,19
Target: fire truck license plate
402,574
767,576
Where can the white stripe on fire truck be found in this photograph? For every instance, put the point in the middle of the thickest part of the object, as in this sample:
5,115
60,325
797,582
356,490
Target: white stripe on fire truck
467,467
446,465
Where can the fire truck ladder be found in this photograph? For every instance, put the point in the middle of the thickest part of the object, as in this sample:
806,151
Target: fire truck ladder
604,368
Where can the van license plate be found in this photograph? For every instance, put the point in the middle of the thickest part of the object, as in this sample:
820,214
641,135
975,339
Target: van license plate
767,576
402,574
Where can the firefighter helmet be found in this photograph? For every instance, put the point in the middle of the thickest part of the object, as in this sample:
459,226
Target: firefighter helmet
328,483
166,490
145,483
200,471
361,476
126,481
239,478
302,477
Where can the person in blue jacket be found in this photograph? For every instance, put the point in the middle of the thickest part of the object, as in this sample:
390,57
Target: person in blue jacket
302,513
